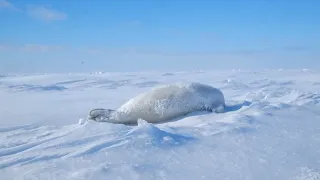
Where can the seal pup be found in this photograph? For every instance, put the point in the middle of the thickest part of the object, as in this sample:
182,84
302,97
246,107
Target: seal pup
164,103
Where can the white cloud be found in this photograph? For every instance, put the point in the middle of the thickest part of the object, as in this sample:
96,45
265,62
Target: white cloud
46,14
7,5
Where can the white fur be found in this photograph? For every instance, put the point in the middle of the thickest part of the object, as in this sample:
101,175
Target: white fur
165,103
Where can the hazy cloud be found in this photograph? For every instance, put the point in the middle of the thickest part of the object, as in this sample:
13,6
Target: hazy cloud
45,14
7,5
297,48
38,48
4,47
41,48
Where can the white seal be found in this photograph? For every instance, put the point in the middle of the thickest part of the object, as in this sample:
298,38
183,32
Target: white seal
164,103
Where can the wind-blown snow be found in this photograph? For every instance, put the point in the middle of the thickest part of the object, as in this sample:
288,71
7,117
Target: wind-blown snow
270,130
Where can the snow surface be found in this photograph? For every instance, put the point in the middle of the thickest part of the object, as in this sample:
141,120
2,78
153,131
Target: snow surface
271,129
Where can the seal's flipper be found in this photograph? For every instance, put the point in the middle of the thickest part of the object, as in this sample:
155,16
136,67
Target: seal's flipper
100,114
205,108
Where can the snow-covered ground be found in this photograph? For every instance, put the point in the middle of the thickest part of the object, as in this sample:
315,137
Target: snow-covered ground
271,129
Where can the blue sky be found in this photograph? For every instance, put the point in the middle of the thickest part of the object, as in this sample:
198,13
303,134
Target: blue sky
133,35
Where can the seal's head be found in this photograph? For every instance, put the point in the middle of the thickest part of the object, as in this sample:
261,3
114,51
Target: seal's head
100,114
